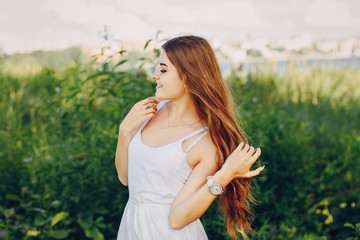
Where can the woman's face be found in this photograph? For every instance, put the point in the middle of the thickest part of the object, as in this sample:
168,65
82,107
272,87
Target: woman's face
169,85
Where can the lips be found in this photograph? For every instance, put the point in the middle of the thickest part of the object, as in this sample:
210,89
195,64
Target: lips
159,86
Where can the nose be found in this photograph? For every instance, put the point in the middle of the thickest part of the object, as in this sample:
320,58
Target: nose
155,75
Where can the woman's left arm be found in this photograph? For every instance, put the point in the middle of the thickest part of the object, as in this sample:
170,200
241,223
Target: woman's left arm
195,198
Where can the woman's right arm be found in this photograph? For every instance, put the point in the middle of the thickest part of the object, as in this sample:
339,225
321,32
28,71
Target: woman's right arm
121,157
128,127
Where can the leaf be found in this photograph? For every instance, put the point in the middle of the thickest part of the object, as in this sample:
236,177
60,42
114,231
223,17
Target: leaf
90,103
103,73
101,210
92,93
112,92
158,33
122,73
55,203
32,232
121,62
358,225
71,96
144,58
37,210
157,52
147,43
12,197
9,212
58,217
59,234
72,88
85,220
40,220
349,225
99,222
94,233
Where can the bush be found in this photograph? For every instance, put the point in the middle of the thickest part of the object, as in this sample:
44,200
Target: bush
59,134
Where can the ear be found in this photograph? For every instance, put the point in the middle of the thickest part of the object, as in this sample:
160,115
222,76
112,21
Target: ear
186,89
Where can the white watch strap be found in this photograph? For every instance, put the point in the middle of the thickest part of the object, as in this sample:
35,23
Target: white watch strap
211,184
210,181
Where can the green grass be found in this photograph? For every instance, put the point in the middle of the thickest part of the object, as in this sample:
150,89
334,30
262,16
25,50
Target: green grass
58,135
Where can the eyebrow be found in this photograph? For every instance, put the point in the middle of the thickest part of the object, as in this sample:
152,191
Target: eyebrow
163,64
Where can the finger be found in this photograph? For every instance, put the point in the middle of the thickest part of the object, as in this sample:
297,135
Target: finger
239,147
154,106
156,99
148,100
257,153
152,100
251,150
254,172
150,110
148,116
255,156
246,147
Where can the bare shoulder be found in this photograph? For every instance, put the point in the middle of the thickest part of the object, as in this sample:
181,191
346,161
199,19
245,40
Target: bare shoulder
204,151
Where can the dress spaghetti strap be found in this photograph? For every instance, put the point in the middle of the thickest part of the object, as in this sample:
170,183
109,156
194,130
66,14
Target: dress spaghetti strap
195,142
161,103
193,134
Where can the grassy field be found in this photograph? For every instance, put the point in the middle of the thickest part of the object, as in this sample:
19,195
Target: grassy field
59,129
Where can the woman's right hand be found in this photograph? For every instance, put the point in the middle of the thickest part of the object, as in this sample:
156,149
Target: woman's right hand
137,116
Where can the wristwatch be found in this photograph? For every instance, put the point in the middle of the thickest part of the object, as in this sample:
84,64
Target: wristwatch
214,188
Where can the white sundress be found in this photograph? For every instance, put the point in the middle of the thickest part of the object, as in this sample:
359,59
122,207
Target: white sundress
155,177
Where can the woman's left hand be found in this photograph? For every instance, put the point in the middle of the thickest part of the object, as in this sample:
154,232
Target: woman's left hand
239,162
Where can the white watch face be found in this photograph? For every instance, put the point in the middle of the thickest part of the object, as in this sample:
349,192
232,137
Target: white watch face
216,189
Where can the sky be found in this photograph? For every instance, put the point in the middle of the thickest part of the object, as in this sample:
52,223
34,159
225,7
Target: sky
57,24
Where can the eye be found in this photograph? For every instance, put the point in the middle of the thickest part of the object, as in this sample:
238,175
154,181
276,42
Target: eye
162,71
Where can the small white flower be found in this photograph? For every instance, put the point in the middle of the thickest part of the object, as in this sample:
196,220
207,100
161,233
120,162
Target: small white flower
58,89
254,99
27,159
281,125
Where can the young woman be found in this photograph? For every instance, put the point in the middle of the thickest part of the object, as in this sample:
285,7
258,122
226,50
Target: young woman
180,150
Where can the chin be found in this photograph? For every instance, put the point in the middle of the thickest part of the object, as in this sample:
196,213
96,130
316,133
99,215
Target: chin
160,96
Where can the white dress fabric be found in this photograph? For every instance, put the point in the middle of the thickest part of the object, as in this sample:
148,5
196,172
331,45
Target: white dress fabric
155,177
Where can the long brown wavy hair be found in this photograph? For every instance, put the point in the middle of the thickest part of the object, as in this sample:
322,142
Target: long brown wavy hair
197,66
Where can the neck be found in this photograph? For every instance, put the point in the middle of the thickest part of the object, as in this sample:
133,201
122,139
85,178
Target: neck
182,110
